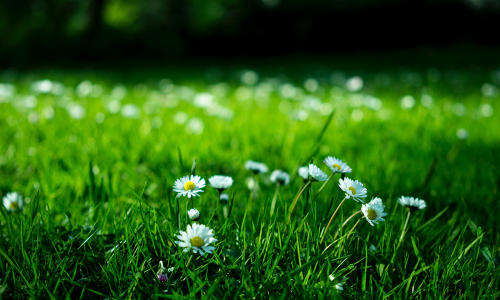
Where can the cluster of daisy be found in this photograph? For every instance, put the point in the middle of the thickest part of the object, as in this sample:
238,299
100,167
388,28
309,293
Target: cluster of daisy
198,237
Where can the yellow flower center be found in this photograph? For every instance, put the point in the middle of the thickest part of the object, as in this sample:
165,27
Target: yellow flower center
189,186
197,242
337,166
353,190
14,205
371,214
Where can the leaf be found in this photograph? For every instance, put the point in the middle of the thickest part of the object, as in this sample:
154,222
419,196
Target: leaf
433,219
487,254
473,227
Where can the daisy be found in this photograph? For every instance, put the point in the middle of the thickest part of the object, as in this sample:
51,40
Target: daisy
197,237
162,273
13,201
304,172
412,203
339,286
374,211
220,182
224,197
256,167
194,214
189,186
316,173
336,165
280,177
352,189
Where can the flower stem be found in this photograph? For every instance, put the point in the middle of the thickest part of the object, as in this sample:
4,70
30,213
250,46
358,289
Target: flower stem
324,184
354,227
401,237
296,200
330,222
308,200
218,197
404,228
189,261
348,219
273,203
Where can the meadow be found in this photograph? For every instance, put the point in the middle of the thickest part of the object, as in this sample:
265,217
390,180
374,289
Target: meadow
95,155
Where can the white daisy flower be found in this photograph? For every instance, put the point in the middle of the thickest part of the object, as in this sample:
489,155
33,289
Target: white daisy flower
412,203
224,197
194,214
13,201
304,173
352,189
339,286
280,177
316,173
197,237
337,165
220,182
374,211
256,167
189,186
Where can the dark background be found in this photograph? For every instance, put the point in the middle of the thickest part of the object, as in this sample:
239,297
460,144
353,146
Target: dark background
55,32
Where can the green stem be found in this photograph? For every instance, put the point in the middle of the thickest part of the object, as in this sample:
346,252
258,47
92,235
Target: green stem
296,200
404,228
189,261
306,206
324,184
273,203
354,227
401,237
345,223
330,222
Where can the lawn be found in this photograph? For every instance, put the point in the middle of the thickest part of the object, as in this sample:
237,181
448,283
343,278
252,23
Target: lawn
94,155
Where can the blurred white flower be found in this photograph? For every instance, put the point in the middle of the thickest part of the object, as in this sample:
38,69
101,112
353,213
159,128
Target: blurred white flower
280,177
354,84
195,126
462,133
256,167
353,189
131,111
220,182
412,203
76,111
316,173
304,172
407,102
249,77
13,201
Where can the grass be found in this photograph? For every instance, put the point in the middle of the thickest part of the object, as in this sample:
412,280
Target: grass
100,213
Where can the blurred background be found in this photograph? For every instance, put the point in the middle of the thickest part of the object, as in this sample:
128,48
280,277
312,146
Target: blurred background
82,32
